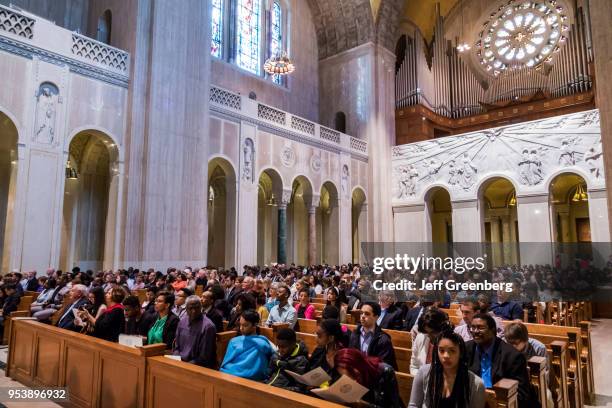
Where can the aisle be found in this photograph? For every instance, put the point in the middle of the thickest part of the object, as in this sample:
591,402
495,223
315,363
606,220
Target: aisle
602,356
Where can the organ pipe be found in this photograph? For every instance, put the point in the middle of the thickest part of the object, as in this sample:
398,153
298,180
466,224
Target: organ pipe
449,87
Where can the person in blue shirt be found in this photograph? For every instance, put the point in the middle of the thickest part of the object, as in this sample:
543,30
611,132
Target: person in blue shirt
506,308
492,359
248,356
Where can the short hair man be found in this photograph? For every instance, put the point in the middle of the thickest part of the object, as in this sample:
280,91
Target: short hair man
136,322
283,312
196,336
292,356
369,337
78,295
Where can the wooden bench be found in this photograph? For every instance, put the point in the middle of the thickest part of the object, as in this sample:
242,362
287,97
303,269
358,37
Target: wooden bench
98,373
172,383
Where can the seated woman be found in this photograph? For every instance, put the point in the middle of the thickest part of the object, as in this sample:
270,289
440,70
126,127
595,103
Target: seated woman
164,328
431,323
447,381
44,296
109,324
333,302
97,306
260,303
248,355
330,339
372,373
244,301
303,308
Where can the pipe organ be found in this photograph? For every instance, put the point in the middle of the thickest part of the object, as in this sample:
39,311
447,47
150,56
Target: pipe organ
440,78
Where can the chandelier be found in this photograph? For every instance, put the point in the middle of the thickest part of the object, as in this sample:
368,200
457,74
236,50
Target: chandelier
580,194
521,34
279,65
71,173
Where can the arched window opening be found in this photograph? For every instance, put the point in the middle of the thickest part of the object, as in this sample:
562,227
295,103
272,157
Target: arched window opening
216,23
104,27
340,122
248,35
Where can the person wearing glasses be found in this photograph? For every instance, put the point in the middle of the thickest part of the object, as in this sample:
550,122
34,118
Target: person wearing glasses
492,359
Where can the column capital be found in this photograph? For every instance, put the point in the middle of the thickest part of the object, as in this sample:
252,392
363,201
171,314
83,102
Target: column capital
285,198
312,209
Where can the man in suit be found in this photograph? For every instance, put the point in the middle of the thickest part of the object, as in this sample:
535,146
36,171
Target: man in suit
232,288
208,306
78,296
11,302
369,337
390,314
492,359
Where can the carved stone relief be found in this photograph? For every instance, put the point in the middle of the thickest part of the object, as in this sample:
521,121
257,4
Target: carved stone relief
288,156
315,162
344,180
527,153
248,158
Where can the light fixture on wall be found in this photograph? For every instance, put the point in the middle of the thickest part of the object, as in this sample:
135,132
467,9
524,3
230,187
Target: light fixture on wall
580,194
271,201
71,173
279,64
463,46
211,195
512,202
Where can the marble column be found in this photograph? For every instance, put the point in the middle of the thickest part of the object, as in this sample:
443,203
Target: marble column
600,14
312,234
282,233
566,231
509,248
467,221
598,216
496,241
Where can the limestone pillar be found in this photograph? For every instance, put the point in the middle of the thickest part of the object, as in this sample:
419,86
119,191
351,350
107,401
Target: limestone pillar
598,216
534,228
467,221
600,15
312,234
496,240
282,227
509,247
566,232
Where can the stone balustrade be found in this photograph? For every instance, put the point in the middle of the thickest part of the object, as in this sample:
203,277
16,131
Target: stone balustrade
303,129
30,36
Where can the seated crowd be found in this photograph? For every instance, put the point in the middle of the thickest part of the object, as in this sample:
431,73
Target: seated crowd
451,366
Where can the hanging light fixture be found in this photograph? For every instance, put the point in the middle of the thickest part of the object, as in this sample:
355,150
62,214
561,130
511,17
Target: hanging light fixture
580,194
464,46
211,195
71,173
279,64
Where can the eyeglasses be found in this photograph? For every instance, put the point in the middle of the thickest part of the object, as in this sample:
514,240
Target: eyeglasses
479,328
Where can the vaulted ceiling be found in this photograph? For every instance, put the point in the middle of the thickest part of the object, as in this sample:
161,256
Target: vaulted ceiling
345,24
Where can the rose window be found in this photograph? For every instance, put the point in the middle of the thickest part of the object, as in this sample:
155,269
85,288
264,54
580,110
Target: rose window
522,34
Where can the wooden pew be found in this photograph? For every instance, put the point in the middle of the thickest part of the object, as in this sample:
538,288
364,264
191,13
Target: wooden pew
199,290
223,339
503,395
537,371
23,310
31,293
173,383
310,340
563,380
404,382
307,325
98,373
402,356
142,295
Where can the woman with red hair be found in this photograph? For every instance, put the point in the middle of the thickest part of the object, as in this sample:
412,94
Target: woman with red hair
372,373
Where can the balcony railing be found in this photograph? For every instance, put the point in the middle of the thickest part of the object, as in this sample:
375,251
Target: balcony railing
306,129
26,34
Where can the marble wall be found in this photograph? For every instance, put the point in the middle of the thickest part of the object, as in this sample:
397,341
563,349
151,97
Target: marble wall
70,14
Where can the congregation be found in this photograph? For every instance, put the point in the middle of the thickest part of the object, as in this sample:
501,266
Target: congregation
454,358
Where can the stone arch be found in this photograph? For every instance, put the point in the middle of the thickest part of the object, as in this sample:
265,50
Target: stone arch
104,29
9,139
270,191
328,223
91,201
298,225
359,222
569,208
439,213
222,212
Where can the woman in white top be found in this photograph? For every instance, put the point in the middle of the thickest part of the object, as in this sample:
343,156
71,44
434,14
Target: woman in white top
447,381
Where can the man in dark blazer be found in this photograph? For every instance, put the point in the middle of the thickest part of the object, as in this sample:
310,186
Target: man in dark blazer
493,359
369,337
78,295
390,314
208,307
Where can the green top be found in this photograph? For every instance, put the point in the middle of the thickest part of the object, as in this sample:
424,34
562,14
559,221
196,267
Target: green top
156,332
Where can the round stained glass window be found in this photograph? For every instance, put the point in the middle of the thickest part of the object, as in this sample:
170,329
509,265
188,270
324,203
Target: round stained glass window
521,34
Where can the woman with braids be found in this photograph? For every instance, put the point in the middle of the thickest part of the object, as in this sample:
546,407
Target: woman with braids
447,382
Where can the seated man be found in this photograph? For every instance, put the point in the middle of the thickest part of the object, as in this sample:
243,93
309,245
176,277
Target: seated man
292,356
78,297
136,322
283,312
208,305
196,336
390,314
369,337
507,309
492,359
179,302
516,334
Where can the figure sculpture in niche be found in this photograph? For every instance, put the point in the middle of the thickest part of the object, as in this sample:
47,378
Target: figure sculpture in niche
344,179
46,100
248,151
467,172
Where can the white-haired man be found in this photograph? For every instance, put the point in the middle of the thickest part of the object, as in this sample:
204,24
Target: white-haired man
78,295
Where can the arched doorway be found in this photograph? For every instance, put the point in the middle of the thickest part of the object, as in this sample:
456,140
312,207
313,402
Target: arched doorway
297,221
91,192
500,221
328,227
358,222
569,208
440,213
270,187
221,208
8,179
105,23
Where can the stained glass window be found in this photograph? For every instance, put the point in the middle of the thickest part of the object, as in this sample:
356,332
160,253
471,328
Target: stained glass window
276,36
247,30
217,28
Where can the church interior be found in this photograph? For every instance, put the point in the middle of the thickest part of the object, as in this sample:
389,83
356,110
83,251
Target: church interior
176,153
